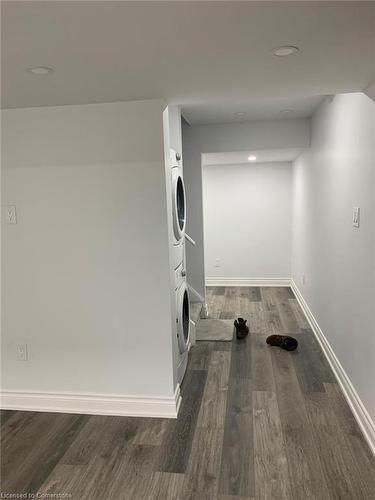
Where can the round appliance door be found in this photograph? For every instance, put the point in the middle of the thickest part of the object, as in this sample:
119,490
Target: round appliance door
179,204
183,318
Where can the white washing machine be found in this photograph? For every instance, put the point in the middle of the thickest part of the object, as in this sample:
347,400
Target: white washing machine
182,305
182,320
178,208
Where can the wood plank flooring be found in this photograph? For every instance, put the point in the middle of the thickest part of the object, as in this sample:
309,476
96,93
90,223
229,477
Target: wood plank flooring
256,423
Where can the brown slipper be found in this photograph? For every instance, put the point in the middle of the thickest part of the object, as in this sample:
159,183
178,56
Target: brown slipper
283,341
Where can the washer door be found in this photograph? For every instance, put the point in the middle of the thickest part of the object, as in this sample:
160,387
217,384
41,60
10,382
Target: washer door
179,204
183,318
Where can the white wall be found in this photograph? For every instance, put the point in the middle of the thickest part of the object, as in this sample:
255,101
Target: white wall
225,138
86,282
337,259
247,220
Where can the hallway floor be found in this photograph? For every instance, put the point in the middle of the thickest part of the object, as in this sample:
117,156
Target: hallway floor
255,422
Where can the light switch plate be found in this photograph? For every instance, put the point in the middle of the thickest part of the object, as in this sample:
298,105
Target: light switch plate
356,216
11,214
21,352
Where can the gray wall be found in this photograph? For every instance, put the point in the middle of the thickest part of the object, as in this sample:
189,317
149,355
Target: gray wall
86,268
225,138
337,259
247,220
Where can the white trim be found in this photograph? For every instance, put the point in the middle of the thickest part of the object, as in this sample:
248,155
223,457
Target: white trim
359,411
219,281
93,404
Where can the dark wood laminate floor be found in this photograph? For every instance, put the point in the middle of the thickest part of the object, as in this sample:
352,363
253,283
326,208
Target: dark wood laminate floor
256,422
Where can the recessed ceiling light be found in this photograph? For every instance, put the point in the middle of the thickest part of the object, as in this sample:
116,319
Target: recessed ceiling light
252,158
286,50
286,112
40,70
240,113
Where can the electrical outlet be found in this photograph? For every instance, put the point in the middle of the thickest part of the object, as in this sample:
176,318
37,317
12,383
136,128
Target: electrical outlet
356,214
11,214
217,263
21,352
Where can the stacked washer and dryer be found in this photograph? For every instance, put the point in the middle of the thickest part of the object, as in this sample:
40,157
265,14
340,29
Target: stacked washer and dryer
180,284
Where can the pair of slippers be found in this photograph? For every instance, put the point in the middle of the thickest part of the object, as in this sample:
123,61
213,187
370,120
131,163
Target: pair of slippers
283,341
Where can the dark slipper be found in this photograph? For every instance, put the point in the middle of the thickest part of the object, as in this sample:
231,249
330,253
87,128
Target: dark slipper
242,330
283,341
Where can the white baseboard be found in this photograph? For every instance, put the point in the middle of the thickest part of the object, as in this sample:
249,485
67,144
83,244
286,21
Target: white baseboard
219,281
359,411
92,404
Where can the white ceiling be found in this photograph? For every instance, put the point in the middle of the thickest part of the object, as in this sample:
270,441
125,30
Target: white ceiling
255,109
239,157
213,58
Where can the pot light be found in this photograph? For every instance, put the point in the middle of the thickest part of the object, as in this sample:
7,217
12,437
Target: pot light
252,158
240,113
40,70
286,50
286,112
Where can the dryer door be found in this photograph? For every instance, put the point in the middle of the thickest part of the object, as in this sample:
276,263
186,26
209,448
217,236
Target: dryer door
183,318
179,204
